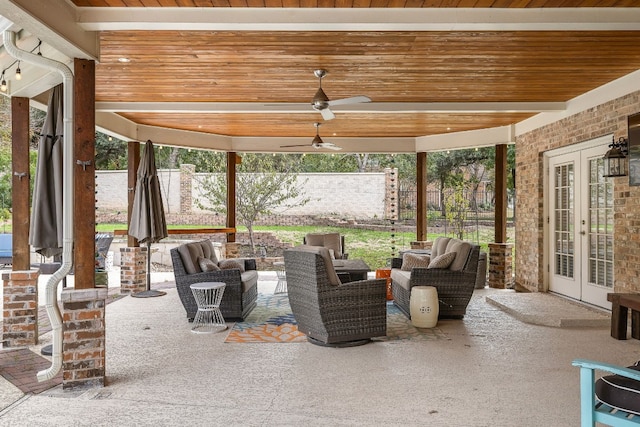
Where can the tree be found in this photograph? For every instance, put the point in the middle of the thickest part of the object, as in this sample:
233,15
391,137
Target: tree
260,189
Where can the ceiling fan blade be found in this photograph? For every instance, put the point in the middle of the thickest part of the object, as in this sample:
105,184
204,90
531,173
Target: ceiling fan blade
289,146
327,114
330,146
350,100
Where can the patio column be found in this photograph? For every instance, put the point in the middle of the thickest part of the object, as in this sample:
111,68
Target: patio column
500,252
20,286
421,202
83,347
231,248
133,266
84,173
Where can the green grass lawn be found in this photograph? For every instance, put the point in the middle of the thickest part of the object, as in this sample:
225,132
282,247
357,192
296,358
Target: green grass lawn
374,247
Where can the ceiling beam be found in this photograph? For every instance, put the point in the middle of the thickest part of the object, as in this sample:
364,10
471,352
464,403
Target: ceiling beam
54,21
358,19
468,139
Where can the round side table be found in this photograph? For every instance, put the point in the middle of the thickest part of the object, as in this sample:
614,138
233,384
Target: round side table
281,287
208,318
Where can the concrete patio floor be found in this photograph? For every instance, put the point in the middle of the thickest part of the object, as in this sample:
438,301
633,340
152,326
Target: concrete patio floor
494,370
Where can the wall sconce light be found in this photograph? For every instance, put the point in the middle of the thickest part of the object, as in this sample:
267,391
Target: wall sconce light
615,160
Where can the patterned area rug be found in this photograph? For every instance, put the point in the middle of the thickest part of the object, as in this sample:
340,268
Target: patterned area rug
272,322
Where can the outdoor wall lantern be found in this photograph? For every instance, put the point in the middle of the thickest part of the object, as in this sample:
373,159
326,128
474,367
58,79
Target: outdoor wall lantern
615,160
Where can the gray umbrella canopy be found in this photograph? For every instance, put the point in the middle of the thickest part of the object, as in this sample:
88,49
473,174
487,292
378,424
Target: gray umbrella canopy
148,223
45,233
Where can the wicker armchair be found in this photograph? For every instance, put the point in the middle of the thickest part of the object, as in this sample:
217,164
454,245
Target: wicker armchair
455,286
240,295
328,312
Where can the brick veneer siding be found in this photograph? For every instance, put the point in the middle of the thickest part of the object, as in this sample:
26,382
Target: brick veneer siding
20,308
83,343
607,118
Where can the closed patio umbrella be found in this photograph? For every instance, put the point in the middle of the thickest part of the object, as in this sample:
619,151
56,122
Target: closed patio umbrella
45,233
148,223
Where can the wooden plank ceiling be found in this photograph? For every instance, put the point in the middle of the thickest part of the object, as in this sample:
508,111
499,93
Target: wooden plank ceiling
389,67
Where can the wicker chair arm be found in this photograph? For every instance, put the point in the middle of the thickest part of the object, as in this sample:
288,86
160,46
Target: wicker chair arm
396,262
231,277
250,264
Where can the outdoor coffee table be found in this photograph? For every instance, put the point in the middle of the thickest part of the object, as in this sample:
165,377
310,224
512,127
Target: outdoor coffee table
350,270
208,318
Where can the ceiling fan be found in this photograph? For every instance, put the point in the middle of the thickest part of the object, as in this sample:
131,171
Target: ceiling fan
322,103
317,142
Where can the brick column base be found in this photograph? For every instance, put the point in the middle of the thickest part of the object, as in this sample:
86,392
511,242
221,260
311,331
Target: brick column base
83,344
231,249
421,244
500,265
20,308
133,269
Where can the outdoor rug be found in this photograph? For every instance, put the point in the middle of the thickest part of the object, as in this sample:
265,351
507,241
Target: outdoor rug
272,322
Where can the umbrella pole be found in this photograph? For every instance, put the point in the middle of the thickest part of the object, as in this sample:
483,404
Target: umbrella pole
149,292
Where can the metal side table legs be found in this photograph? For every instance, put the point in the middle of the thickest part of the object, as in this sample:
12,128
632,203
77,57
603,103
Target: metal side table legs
208,318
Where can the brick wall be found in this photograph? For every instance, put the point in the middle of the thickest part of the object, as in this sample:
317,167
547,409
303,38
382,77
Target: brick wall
608,118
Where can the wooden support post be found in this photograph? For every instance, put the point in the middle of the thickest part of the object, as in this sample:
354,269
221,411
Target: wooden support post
20,182
84,173
421,208
501,194
133,161
232,160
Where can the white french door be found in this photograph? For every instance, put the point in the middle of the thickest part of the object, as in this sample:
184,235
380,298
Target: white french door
580,232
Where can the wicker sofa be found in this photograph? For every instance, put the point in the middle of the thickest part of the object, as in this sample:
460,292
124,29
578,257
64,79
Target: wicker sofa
455,283
331,313
239,274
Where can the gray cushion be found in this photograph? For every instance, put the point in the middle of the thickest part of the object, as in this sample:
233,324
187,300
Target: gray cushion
400,277
209,251
189,252
331,241
410,261
439,246
462,249
249,279
324,253
442,261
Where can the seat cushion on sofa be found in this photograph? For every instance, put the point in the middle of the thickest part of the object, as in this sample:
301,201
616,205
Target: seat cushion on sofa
249,279
620,392
400,277
189,252
411,260
439,246
442,261
462,250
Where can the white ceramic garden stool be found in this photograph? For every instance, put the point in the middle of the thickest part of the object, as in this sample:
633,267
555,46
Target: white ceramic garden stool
424,307
208,318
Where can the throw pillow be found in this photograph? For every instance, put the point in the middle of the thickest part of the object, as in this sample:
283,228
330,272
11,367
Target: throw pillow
207,265
229,264
442,261
410,261
620,392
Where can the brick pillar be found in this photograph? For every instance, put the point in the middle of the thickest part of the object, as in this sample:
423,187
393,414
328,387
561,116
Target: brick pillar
421,244
133,269
231,249
83,343
186,184
20,308
500,265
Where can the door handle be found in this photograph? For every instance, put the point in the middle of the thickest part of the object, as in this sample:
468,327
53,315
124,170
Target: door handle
583,232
